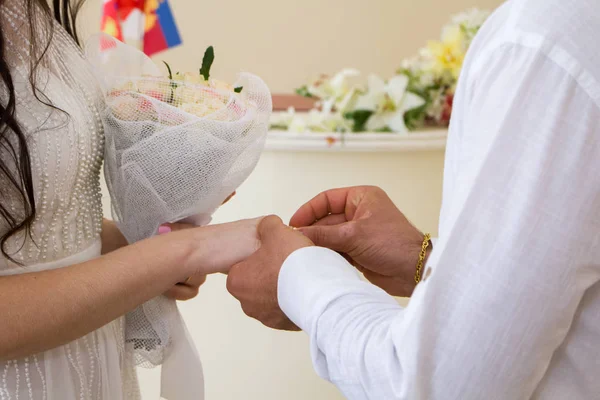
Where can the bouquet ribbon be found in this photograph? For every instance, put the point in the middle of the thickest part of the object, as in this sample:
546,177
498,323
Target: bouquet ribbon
182,376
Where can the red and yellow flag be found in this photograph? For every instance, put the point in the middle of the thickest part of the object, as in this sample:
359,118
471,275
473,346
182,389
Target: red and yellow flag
146,24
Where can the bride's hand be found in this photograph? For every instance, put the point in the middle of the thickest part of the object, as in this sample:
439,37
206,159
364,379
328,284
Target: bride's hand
215,248
228,243
186,290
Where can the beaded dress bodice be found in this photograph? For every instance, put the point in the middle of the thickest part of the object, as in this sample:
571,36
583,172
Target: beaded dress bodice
65,145
65,142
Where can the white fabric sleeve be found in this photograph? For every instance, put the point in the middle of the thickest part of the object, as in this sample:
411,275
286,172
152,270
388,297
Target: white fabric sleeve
518,249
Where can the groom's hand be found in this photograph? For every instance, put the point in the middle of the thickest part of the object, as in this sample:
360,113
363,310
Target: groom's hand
254,281
365,226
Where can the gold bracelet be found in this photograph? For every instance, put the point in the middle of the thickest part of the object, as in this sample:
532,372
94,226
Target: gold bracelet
422,254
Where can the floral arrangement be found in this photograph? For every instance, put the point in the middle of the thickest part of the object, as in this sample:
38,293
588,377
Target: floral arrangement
216,129
420,94
195,93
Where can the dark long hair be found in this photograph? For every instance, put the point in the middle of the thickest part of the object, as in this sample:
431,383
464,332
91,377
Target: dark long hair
16,170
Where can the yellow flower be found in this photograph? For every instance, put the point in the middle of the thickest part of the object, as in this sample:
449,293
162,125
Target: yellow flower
199,110
219,85
189,77
448,54
211,109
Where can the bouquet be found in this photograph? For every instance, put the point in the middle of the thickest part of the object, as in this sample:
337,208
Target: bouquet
176,145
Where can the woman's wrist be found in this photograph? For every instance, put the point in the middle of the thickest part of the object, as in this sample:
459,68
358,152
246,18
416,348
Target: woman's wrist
112,238
217,248
182,247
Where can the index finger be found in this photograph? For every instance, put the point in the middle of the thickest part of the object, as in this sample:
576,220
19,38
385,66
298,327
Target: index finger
329,202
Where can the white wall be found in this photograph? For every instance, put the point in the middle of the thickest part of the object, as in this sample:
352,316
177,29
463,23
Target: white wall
287,42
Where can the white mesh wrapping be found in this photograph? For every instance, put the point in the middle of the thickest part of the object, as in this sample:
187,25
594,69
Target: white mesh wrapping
168,163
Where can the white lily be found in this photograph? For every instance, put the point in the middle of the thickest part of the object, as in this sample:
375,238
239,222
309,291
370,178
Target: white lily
339,82
388,102
318,121
282,120
299,124
348,102
313,121
335,90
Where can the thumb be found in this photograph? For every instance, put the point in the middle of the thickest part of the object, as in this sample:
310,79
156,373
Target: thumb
268,227
339,238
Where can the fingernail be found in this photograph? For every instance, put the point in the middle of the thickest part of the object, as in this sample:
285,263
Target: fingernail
164,229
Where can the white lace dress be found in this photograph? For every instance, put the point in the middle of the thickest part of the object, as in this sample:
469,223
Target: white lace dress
66,155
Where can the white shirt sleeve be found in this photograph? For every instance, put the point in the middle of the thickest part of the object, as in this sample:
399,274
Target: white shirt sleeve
518,249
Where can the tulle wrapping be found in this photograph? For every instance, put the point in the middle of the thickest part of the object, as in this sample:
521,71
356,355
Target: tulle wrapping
171,162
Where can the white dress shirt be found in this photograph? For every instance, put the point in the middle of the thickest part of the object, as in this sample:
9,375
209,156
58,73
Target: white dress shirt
511,309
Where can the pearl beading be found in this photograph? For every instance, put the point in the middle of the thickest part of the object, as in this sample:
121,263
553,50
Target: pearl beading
66,157
69,211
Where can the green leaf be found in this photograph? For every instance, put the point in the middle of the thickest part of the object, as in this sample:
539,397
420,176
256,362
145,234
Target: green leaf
172,84
304,92
238,89
415,118
207,61
360,118
169,69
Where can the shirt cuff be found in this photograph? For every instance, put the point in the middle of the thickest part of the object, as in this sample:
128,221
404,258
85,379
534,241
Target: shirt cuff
309,279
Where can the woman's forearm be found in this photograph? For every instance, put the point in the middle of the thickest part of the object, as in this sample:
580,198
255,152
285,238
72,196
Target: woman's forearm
43,310
112,238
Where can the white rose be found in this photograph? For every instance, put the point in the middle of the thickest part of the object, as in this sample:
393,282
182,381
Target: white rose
130,108
186,94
